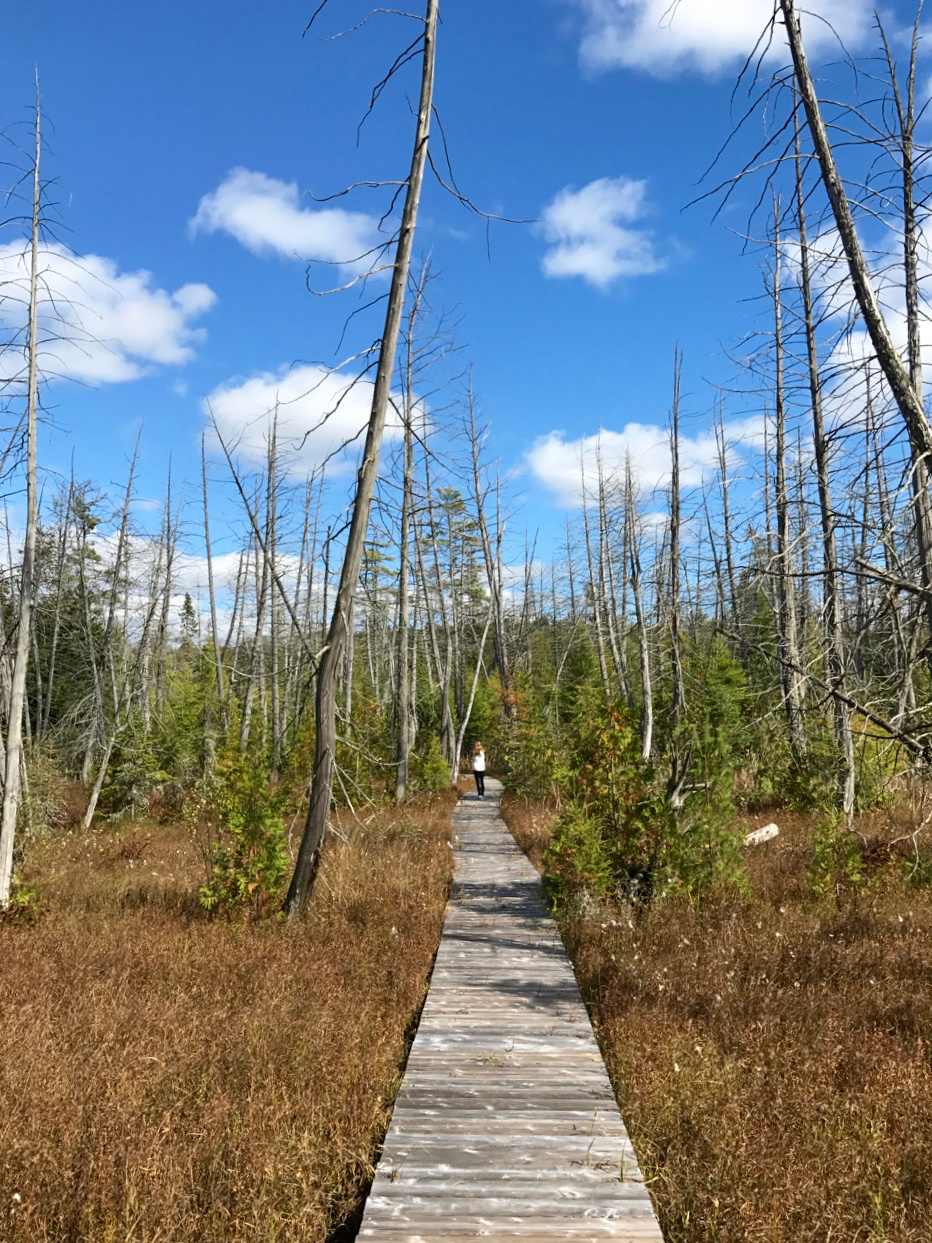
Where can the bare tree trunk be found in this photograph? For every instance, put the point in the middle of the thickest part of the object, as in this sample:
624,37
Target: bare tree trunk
325,705
633,552
12,782
908,398
467,707
570,573
444,665
680,757
106,653
404,734
607,594
726,516
832,617
787,628
46,712
274,621
492,566
594,593
171,543
257,654
906,115
349,656
214,629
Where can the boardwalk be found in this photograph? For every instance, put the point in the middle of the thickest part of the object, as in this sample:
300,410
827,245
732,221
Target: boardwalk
505,1126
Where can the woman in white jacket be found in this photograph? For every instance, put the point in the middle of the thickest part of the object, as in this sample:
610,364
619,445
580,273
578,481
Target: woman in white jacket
478,768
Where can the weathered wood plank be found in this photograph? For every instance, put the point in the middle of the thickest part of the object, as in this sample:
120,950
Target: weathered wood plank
505,1126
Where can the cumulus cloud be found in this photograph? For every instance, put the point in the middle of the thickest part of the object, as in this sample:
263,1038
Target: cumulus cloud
564,465
590,235
320,414
266,216
709,36
97,324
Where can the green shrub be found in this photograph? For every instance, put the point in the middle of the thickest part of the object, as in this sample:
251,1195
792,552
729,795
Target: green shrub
837,863
428,770
579,857
238,822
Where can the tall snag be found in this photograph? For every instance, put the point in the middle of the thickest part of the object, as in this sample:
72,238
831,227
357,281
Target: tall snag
12,782
680,755
792,684
908,399
326,696
832,615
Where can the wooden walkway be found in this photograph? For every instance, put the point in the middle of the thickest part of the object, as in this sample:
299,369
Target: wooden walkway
505,1126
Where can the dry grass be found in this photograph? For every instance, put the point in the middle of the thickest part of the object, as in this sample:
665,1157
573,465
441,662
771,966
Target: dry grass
530,824
164,1077
773,1056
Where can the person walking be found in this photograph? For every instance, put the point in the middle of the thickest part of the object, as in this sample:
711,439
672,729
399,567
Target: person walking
478,768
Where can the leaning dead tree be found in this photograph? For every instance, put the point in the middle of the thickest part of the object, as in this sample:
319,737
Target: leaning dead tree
908,398
325,706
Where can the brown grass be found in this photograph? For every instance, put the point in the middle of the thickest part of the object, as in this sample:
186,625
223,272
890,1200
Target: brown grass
165,1077
530,823
773,1056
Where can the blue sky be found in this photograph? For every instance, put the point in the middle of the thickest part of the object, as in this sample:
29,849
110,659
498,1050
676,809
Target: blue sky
596,118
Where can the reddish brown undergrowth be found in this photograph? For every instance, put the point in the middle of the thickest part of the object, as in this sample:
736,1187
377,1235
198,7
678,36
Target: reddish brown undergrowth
530,823
166,1077
773,1055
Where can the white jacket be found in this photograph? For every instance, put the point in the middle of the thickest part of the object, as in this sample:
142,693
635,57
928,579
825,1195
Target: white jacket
478,762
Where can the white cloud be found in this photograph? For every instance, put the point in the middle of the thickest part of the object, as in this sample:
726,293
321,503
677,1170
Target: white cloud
561,464
589,234
265,215
665,36
319,412
97,324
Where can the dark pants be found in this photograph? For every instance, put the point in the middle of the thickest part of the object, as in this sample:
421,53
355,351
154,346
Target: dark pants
480,782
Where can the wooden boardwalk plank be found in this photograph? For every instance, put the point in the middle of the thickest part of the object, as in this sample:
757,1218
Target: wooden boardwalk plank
506,1125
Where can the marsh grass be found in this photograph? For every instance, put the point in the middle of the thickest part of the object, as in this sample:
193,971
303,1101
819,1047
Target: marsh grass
169,1077
772,1055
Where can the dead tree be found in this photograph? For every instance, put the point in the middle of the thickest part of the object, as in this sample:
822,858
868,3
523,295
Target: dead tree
14,760
633,554
211,592
791,682
594,593
908,398
493,562
831,591
680,751
325,702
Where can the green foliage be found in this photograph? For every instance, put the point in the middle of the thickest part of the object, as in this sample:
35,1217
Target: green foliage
134,774
837,862
428,770
704,850
238,821
24,905
619,831
579,857
535,763
615,823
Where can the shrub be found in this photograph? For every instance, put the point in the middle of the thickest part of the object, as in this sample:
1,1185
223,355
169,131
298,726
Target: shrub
428,770
837,863
579,858
242,836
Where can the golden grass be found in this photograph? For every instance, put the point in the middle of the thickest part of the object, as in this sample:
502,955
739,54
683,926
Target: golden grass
772,1056
165,1077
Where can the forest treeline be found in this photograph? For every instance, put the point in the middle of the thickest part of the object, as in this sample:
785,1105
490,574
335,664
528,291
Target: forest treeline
753,629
